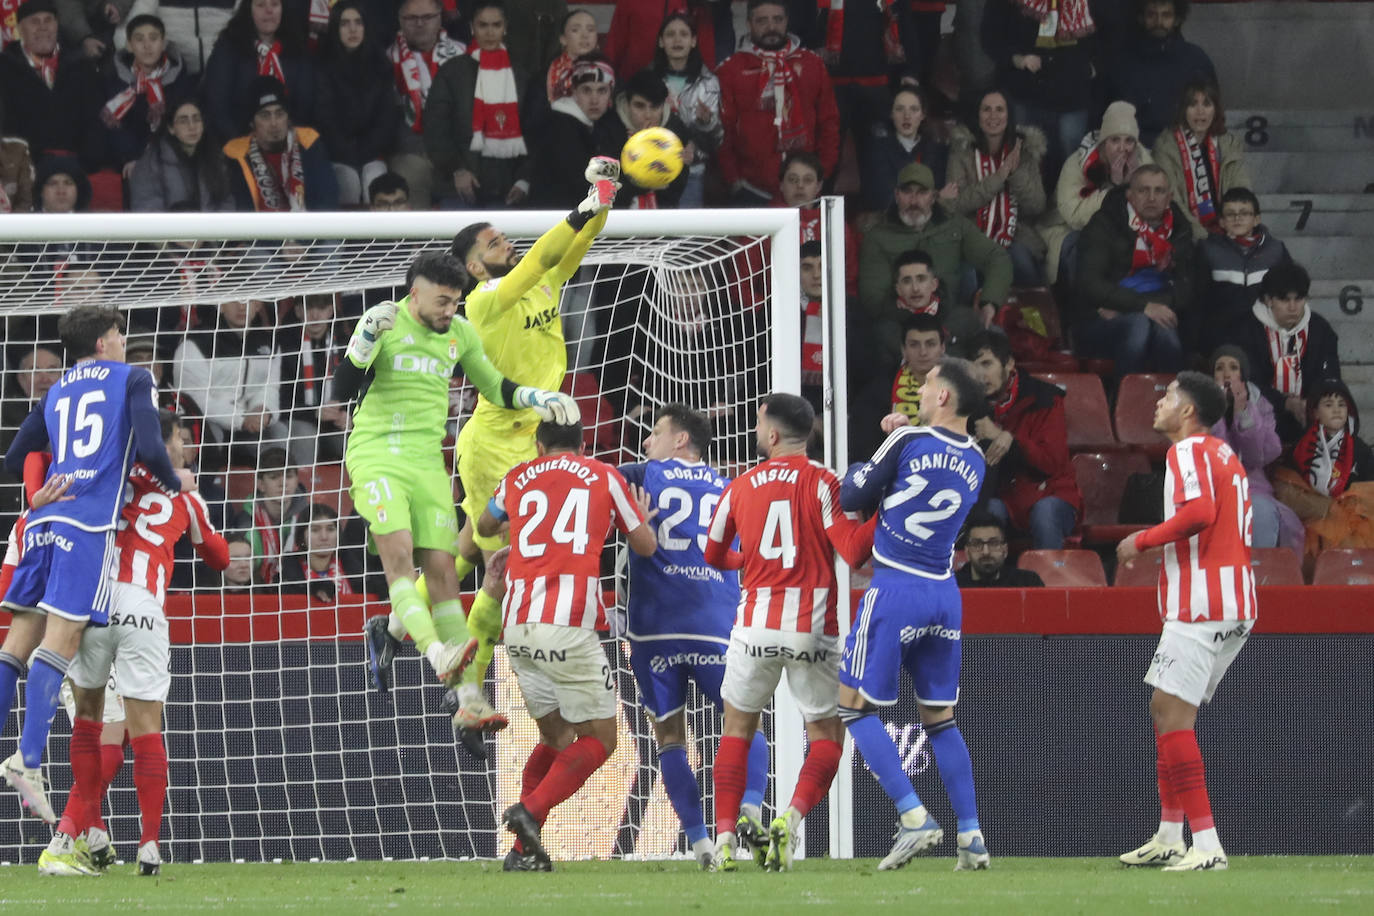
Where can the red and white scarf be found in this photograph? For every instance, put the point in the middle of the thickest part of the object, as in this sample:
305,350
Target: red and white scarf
308,375
147,84
5,205
813,343
645,200
197,274
1201,168
269,543
319,15
930,308
1061,21
1152,246
415,73
778,79
46,66
834,27
558,82
269,61
1287,347
1326,459
998,218
334,573
281,189
9,21
496,107
1002,407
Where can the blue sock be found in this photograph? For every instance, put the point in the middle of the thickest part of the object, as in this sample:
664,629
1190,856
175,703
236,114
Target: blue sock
882,757
681,785
44,685
956,771
757,780
11,669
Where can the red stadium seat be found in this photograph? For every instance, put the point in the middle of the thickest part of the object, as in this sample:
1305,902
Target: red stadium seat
1030,317
1276,566
1344,566
1102,480
1135,413
1143,571
1085,403
328,484
240,484
1065,568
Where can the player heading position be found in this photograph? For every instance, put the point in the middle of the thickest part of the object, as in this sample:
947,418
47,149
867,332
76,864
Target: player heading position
561,507
681,610
395,457
98,416
922,482
1207,602
787,514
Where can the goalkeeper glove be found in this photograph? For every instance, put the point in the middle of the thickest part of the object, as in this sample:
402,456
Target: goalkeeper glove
602,168
376,321
599,197
553,406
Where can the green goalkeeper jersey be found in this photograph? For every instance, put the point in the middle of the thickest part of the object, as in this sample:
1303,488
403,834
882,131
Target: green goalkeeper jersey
406,407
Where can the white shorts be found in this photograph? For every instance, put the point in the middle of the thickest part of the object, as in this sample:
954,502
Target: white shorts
136,646
757,657
1192,658
561,668
114,704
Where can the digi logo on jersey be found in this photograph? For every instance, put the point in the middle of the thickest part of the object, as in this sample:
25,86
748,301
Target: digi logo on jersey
427,365
910,634
44,537
659,663
799,655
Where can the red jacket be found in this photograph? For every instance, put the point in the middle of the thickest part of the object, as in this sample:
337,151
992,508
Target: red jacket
750,150
1038,464
633,36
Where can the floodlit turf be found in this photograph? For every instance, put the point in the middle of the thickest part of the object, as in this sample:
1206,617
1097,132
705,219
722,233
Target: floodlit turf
852,888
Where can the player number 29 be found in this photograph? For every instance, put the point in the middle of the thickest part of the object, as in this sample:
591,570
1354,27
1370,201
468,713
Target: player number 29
675,505
89,423
569,527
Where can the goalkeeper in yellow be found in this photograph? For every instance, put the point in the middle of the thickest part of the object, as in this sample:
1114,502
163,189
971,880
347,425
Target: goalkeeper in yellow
394,456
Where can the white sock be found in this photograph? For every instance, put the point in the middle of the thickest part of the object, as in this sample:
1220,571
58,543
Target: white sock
60,845
395,627
752,811
1170,832
703,845
468,693
915,817
966,837
435,653
1206,840
725,839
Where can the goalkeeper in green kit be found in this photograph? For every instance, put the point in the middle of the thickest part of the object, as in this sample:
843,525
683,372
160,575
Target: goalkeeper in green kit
400,485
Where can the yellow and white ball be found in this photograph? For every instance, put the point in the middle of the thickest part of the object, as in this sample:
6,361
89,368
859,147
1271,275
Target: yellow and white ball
652,158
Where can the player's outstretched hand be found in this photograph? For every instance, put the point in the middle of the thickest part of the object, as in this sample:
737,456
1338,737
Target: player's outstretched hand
895,421
376,321
599,198
553,406
1127,550
602,168
54,490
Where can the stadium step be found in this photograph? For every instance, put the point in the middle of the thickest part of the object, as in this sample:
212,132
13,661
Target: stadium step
1314,172
1304,130
1332,255
1343,303
1291,216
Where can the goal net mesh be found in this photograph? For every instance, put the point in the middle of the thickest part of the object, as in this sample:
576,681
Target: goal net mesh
279,748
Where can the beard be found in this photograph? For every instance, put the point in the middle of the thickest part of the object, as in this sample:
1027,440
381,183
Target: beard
498,269
986,566
762,449
914,219
771,41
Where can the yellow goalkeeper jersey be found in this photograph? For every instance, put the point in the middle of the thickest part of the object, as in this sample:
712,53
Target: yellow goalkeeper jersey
524,341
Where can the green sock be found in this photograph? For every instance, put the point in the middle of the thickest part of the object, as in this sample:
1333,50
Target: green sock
484,622
414,613
450,621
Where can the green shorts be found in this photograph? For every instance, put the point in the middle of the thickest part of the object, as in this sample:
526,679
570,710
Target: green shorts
405,493
484,458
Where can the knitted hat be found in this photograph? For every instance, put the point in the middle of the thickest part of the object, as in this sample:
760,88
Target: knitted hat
61,163
1119,121
33,8
1235,353
264,91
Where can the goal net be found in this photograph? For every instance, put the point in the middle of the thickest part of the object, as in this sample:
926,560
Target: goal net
278,746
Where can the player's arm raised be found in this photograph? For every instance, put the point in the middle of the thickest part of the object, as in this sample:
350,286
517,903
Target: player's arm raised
632,513
31,437
866,483
210,545
148,445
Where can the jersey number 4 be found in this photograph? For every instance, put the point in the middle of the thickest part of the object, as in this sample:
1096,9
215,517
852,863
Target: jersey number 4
569,527
778,541
942,505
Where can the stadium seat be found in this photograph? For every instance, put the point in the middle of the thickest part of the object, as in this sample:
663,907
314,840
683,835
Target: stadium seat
1102,480
328,484
1085,403
1065,568
1344,566
600,428
1276,566
1030,317
1135,413
240,484
107,191
1142,572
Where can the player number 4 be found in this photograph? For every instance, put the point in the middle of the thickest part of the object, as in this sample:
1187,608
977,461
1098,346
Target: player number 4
777,541
569,527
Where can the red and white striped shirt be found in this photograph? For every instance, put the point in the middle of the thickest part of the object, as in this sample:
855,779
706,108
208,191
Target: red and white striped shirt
152,522
1206,573
787,514
14,550
561,509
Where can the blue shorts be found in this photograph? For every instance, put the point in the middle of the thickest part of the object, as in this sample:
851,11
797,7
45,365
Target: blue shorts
65,571
913,623
662,667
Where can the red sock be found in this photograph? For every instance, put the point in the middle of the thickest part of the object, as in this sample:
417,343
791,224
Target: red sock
1187,776
150,779
817,772
568,771
1170,809
536,767
731,770
85,754
111,759
73,822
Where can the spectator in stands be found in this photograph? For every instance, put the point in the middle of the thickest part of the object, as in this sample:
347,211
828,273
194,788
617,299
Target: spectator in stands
985,544
143,87
1291,348
1202,160
644,104
192,26
630,40
280,167
1026,440
799,185
1231,266
474,133
813,325
89,26
317,424
578,37
996,165
62,185
319,568
898,141
388,192
776,98
1105,159
16,176
258,42
183,167
694,97
47,98
357,110
582,126
532,34
268,516
923,345
1135,277
230,365
1154,65
1248,427
915,221
420,49
33,369
238,576
915,290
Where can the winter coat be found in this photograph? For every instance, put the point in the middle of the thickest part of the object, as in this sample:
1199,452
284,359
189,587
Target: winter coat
531,33
1025,183
65,117
560,157
885,157
862,55
1252,435
1150,73
448,130
16,175
192,26
750,151
1320,361
1074,203
702,89
1228,281
78,20
664,198
356,110
1038,463
164,176
1106,249
228,73
1230,155
231,374
321,185
633,34
126,141
1065,78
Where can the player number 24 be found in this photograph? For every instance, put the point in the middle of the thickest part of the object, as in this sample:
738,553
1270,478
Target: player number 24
89,423
569,527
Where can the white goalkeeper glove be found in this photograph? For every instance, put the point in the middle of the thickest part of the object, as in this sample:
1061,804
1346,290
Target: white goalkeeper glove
602,168
553,406
376,321
599,197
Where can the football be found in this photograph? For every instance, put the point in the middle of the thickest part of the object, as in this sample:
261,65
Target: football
652,158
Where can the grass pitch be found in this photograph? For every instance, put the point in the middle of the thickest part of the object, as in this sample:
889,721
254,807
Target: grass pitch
854,888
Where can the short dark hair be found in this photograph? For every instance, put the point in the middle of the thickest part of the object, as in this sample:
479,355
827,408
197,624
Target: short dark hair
806,158
792,413
439,268
811,249
559,436
1148,168
318,512
907,258
689,421
1205,395
755,4
388,183
647,85
273,460
980,517
168,421
994,341
465,239
1180,8
140,21
957,374
80,328
1241,196
923,324
320,300
1212,91
487,5
1283,280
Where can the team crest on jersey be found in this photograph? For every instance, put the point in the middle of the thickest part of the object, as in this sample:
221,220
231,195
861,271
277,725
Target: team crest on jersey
452,349
490,285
